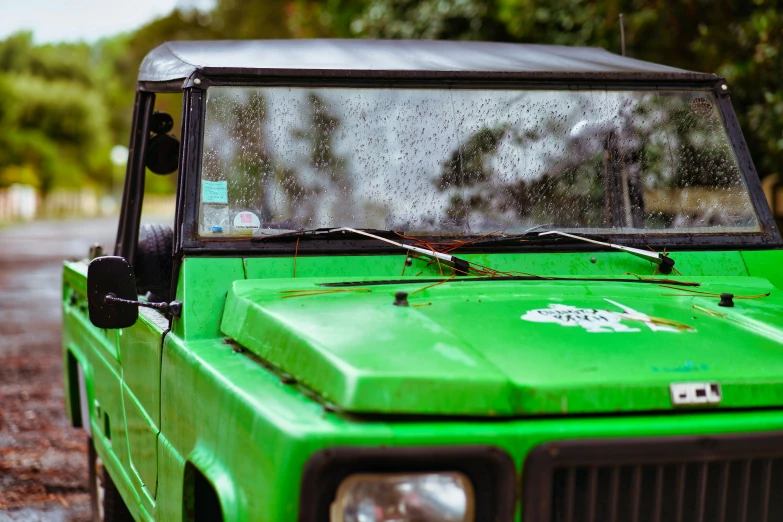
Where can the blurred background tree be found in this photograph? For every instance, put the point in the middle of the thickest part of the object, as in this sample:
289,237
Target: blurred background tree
51,112
63,107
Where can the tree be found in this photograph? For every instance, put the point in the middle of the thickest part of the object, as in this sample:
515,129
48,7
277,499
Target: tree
738,39
53,123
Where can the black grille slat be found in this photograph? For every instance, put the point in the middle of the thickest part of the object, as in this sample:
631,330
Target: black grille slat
722,499
614,496
745,492
775,505
591,494
570,488
658,494
702,502
637,493
680,491
765,496
736,490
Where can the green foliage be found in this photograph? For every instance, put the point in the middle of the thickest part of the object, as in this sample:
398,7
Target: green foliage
323,18
58,130
430,19
62,110
467,165
64,61
738,39
54,126
77,99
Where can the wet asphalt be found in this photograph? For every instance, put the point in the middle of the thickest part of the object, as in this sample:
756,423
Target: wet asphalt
43,461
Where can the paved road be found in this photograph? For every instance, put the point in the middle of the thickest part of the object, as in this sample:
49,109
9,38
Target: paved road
43,461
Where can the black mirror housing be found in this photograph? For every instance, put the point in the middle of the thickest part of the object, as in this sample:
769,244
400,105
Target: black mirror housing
111,275
162,154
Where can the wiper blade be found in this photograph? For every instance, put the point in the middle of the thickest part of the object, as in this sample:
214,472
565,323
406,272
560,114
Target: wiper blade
665,263
315,233
499,240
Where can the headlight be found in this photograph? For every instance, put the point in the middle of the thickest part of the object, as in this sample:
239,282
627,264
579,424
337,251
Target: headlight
404,497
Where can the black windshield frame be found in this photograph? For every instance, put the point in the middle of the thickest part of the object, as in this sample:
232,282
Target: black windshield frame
189,242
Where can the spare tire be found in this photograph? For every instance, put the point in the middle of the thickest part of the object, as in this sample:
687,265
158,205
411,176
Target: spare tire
153,261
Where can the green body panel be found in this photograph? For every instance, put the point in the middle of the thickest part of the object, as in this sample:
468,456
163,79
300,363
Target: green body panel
96,351
229,414
765,263
254,434
140,351
340,344
200,286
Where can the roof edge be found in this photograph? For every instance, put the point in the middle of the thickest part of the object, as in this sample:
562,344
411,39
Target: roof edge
163,65
177,61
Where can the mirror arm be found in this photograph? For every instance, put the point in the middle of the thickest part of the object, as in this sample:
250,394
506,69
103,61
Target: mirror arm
174,308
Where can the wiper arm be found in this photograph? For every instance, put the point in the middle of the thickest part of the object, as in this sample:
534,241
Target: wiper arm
461,267
665,263
314,233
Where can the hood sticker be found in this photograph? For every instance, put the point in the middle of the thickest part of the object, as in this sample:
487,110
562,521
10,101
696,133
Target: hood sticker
601,321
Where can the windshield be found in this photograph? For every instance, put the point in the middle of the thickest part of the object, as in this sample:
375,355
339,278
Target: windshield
457,161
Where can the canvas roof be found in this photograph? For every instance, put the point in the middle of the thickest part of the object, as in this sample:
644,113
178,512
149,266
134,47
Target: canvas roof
179,60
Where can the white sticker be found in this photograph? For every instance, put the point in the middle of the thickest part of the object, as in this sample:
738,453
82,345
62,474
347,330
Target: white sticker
695,393
246,221
593,320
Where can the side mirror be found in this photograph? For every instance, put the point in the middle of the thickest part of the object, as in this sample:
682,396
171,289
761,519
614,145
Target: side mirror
112,277
111,294
162,155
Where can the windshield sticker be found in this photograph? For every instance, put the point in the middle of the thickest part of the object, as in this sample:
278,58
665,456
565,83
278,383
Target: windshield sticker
601,321
246,221
214,191
218,218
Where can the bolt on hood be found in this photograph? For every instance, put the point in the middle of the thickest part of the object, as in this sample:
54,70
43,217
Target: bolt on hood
507,348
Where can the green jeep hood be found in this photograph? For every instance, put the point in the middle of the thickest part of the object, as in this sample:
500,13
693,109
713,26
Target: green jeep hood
513,347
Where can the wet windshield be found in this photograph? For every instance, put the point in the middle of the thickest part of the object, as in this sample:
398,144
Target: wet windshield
468,161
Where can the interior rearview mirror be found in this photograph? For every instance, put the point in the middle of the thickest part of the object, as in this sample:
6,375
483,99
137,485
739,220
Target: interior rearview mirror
110,281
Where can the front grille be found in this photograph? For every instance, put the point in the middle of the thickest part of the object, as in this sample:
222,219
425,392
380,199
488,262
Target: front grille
687,479
739,490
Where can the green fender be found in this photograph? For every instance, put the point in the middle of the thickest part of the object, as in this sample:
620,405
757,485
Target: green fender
233,504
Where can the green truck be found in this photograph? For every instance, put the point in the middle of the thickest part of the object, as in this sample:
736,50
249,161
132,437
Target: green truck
420,281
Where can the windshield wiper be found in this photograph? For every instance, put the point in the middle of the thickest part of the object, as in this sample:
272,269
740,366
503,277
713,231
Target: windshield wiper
314,233
461,267
665,263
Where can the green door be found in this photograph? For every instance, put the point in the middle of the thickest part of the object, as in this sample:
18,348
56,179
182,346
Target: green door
140,353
